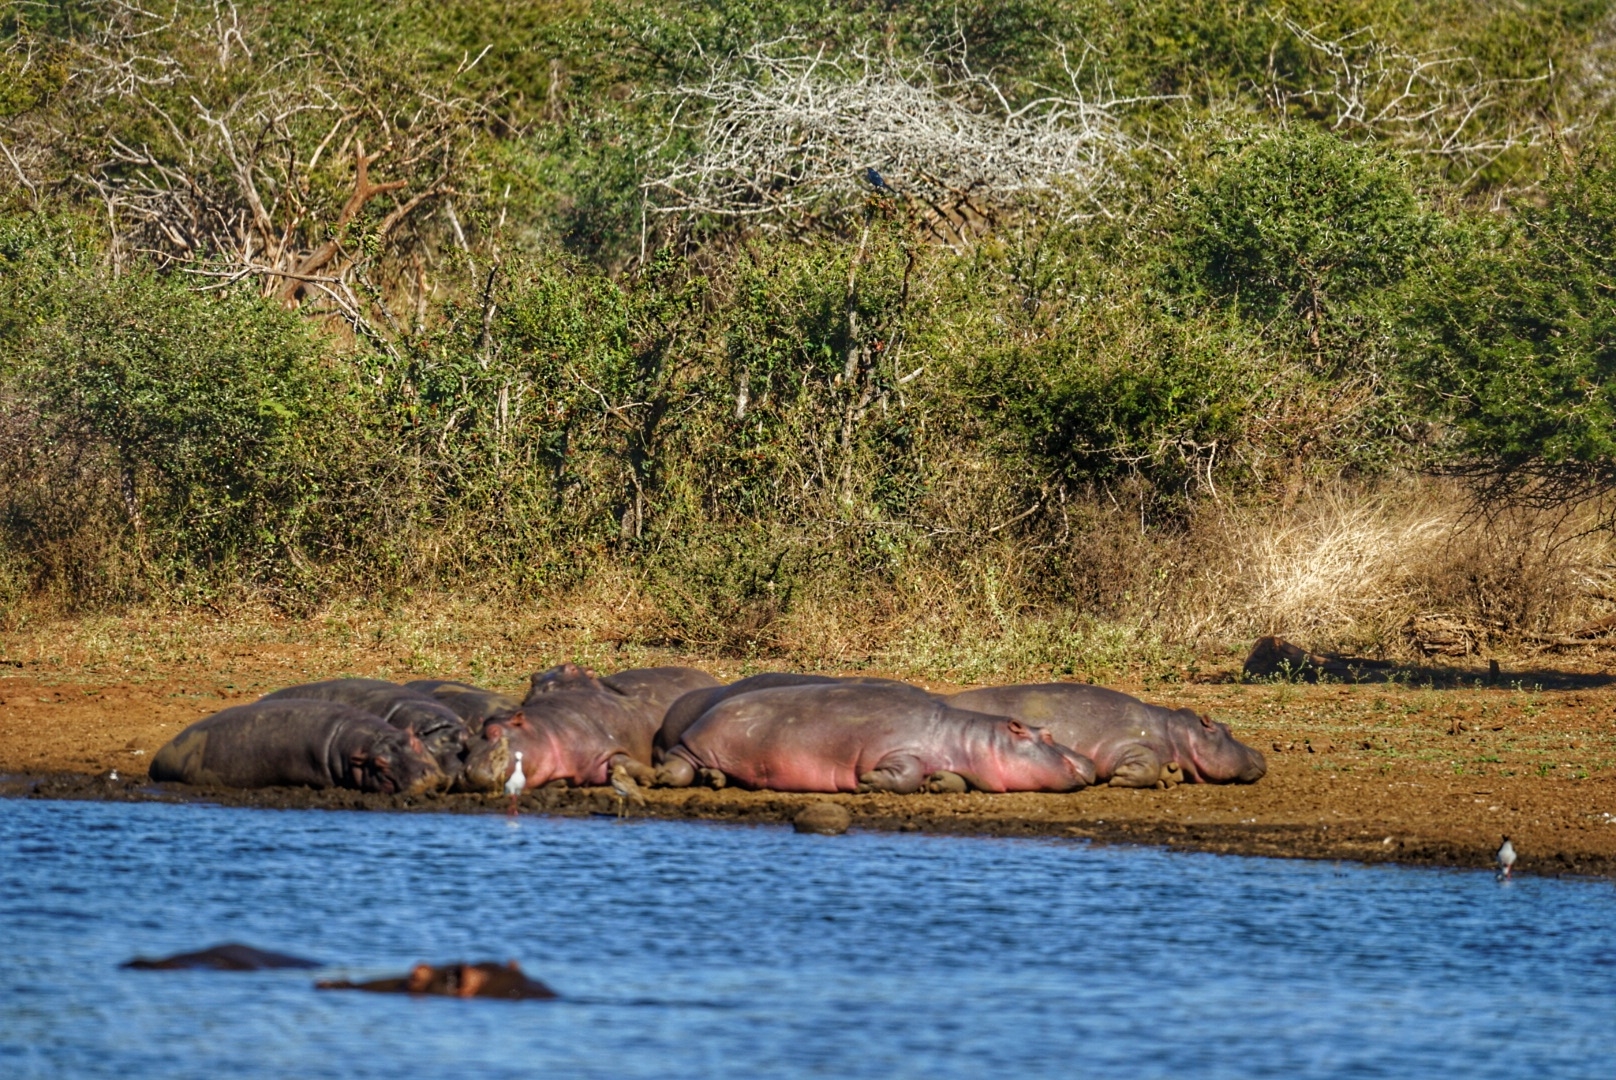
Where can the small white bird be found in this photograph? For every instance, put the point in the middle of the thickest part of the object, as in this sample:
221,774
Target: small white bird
1506,857
516,783
626,789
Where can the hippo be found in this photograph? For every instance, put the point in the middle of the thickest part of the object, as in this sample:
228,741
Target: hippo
1131,743
859,737
230,956
440,730
567,676
576,726
652,690
689,707
485,980
474,705
576,736
292,742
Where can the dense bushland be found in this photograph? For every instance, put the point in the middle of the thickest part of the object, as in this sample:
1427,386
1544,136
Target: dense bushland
1125,324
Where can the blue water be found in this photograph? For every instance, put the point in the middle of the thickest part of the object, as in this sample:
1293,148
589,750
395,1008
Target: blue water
685,949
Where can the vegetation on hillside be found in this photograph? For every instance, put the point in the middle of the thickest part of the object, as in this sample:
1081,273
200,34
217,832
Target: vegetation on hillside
1041,326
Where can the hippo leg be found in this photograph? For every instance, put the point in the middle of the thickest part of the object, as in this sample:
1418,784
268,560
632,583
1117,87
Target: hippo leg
946,783
675,771
1138,767
1172,775
897,773
713,778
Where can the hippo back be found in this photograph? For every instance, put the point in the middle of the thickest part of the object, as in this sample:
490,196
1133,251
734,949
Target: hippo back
474,705
690,707
658,688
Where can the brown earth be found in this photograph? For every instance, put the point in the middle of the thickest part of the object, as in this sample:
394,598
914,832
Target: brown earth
1431,767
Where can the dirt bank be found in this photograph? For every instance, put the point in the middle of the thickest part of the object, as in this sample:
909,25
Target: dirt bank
1432,769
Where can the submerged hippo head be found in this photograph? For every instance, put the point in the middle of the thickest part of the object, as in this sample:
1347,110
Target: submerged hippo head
1209,754
568,676
394,763
1022,758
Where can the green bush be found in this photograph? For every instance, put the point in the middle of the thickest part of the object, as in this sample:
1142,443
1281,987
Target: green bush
1297,228
205,412
1514,344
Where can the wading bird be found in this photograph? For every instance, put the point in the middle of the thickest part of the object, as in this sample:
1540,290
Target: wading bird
625,788
517,781
1506,857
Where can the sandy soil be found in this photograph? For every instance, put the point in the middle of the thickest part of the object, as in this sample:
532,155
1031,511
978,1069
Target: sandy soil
1431,768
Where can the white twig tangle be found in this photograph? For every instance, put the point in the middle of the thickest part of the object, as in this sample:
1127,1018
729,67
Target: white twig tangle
1433,103
793,133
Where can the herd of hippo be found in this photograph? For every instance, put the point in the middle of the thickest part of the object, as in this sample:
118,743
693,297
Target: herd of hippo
677,726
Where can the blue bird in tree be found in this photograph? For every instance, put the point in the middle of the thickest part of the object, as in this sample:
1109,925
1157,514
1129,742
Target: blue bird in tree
876,180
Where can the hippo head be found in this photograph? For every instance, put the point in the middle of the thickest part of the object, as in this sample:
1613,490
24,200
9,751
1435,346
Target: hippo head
488,761
568,676
1209,754
1023,758
395,763
442,732
488,764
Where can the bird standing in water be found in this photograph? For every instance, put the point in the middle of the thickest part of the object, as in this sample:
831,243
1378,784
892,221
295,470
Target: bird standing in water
625,788
517,782
1506,858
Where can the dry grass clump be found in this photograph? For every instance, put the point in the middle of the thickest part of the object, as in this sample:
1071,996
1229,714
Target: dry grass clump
1348,570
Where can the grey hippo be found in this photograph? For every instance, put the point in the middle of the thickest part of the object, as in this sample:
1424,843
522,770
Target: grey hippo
441,731
1131,743
291,742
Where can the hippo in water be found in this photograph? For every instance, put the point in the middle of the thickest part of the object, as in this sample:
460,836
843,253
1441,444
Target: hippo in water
485,980
1132,744
291,742
472,704
853,737
440,730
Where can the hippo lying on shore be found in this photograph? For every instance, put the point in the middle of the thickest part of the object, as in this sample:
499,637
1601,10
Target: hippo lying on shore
652,690
440,730
291,742
858,737
690,706
1131,743
472,704
575,726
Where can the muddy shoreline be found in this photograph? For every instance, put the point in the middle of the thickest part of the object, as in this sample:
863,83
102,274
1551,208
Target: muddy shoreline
1100,815
1425,766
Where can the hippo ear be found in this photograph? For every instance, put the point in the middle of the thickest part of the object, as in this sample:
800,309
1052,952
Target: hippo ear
1206,722
415,743
1045,736
1020,730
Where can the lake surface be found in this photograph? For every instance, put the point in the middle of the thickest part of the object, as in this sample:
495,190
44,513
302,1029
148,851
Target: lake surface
685,949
